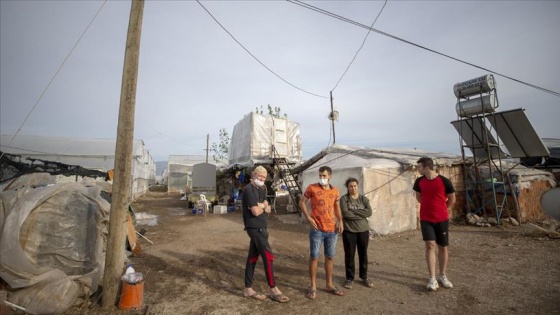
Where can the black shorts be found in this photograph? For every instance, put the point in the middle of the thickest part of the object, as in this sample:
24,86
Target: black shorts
438,232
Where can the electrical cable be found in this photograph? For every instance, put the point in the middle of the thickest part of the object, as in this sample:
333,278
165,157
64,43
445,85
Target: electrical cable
363,42
260,62
319,10
55,74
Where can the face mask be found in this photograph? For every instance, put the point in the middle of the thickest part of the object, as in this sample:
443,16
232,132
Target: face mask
258,182
324,181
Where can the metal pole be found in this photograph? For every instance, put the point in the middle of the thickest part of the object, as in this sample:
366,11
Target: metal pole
114,261
207,141
332,119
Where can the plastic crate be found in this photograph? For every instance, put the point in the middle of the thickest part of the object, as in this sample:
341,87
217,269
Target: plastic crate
220,209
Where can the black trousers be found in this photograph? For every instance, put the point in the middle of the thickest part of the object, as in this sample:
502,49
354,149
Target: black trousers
259,246
351,241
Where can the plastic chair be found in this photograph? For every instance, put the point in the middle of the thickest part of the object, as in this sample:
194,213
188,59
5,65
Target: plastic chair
203,204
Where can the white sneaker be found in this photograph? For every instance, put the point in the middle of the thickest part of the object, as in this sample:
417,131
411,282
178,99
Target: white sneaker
432,284
445,282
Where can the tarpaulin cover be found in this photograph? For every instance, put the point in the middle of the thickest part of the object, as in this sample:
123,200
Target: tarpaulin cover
52,248
253,137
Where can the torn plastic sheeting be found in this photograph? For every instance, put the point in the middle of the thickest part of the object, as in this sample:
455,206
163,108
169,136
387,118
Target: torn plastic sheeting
54,235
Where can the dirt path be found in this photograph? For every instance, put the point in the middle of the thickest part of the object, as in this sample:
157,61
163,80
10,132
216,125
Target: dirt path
196,266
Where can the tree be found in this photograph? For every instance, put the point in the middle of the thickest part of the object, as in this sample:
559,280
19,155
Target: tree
274,112
220,150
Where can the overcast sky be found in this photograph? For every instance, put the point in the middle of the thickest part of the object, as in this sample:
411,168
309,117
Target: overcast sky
194,79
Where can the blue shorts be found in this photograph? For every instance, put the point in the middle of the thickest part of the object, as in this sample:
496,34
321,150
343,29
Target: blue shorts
316,239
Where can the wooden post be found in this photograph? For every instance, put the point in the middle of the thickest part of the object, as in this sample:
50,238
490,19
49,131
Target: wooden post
115,256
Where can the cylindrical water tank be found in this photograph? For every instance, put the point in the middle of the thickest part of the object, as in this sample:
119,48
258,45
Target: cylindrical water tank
475,106
483,84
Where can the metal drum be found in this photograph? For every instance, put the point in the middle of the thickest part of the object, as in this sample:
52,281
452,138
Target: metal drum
475,106
483,84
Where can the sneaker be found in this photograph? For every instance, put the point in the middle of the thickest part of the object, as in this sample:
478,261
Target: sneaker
445,282
432,284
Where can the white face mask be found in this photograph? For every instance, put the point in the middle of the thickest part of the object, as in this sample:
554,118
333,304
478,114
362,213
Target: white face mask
324,181
258,182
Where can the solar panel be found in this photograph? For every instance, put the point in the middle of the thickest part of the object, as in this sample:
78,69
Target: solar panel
473,131
518,135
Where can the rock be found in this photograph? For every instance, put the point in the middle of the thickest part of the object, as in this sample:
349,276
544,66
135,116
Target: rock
471,218
492,221
533,230
513,222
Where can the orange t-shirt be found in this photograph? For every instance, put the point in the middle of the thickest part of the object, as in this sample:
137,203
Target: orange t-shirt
322,205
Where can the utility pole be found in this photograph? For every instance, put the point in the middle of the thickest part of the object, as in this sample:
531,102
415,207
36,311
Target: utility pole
332,119
207,143
114,260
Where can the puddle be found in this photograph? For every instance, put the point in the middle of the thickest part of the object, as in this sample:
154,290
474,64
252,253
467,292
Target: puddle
143,218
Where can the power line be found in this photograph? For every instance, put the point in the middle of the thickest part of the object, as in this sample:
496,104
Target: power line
319,10
55,74
262,64
363,42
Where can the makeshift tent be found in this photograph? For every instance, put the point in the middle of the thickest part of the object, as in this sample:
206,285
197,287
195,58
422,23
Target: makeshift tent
179,171
386,176
255,135
96,154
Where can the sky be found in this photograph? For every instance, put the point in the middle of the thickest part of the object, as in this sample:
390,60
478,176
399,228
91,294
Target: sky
194,79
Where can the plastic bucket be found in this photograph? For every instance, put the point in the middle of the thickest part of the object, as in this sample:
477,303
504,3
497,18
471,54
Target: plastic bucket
132,295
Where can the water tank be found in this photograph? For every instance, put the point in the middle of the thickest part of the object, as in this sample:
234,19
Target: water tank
485,104
483,84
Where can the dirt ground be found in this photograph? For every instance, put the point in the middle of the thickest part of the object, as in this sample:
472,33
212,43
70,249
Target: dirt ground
196,266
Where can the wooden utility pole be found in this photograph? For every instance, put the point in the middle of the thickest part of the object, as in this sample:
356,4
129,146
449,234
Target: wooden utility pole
332,119
114,259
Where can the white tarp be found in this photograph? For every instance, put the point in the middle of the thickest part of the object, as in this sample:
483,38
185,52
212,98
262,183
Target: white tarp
52,242
254,135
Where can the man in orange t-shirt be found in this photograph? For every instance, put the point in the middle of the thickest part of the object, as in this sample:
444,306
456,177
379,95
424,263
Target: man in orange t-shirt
325,209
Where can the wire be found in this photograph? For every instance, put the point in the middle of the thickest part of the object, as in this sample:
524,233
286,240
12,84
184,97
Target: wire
262,64
363,42
310,7
55,75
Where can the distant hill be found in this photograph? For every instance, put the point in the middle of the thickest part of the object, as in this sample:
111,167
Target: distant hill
160,167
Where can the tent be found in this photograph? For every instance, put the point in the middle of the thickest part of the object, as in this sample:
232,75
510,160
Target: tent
386,177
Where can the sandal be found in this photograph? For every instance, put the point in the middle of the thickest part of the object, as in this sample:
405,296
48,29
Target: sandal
368,283
256,296
336,291
281,298
348,284
311,294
